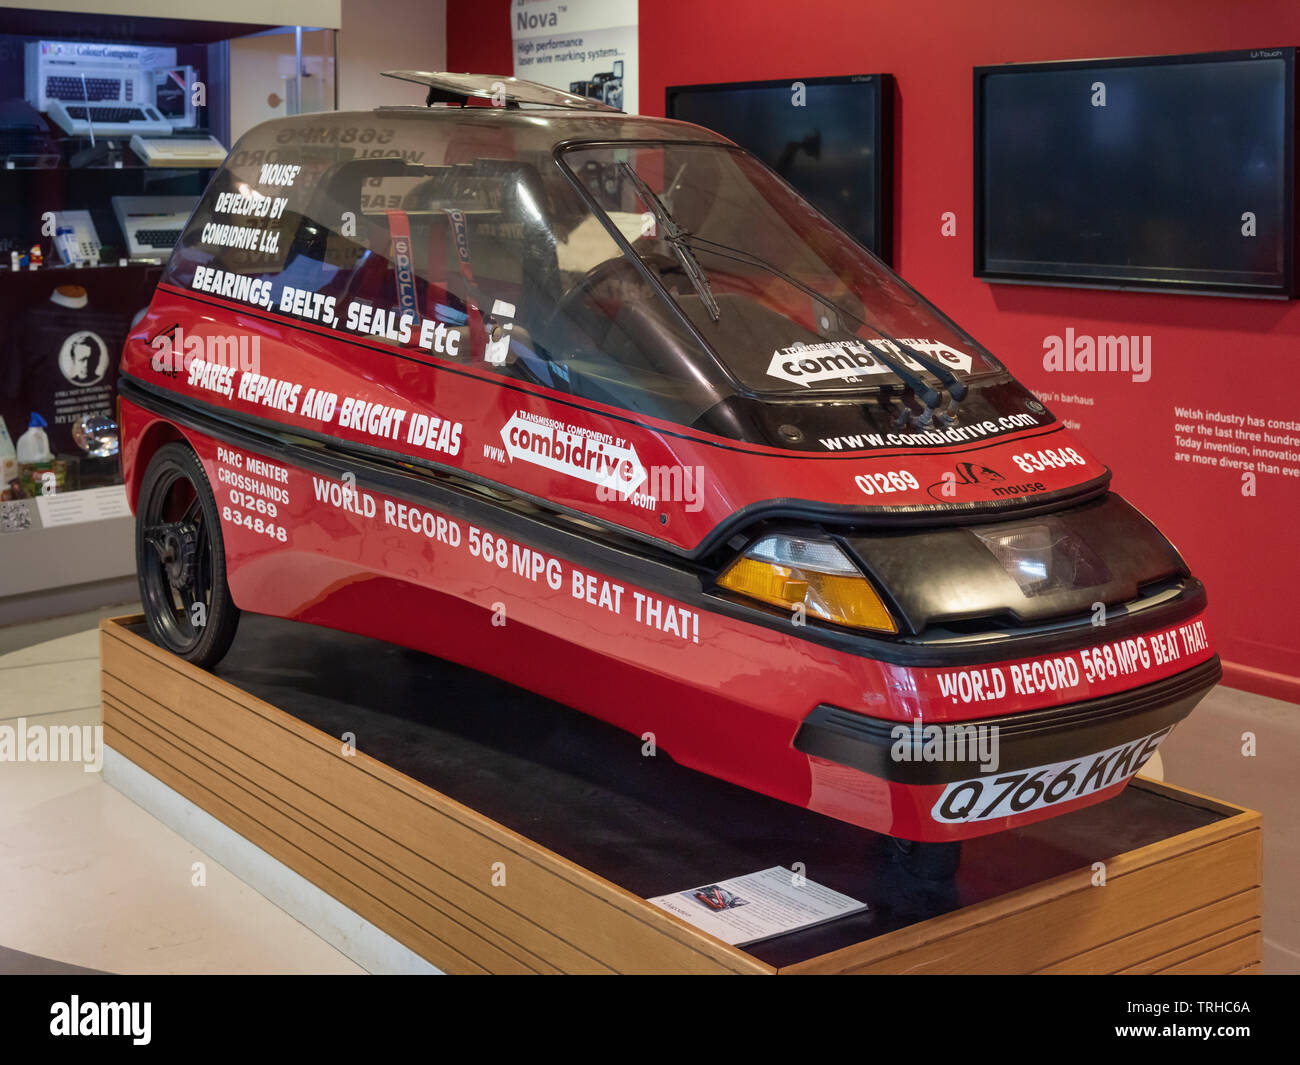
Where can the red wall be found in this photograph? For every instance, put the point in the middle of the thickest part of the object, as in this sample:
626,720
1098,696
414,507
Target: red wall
1233,355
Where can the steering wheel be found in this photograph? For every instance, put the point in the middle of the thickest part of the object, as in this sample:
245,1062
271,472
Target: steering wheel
603,273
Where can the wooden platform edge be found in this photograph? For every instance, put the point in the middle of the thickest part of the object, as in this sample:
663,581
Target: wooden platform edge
1187,901
580,902
1180,875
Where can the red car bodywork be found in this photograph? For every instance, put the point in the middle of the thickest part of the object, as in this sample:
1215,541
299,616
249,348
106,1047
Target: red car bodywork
412,542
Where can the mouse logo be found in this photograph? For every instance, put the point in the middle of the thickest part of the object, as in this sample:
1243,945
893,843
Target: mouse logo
83,359
967,473
974,473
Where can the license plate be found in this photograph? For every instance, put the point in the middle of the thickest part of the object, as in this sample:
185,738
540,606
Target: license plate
1007,794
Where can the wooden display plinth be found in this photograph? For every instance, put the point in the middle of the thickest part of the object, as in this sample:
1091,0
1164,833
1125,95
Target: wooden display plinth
492,831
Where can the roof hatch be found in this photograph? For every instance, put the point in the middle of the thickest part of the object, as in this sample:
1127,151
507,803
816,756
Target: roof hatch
501,89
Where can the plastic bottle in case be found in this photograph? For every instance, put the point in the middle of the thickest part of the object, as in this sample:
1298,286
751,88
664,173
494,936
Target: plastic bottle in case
34,444
35,460
8,456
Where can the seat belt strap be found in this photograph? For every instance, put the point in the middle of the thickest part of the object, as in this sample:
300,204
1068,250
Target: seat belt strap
473,309
399,233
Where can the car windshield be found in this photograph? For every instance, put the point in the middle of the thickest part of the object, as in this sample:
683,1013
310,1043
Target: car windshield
677,281
787,301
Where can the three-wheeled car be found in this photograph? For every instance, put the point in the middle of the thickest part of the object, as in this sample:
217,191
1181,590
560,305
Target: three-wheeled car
598,404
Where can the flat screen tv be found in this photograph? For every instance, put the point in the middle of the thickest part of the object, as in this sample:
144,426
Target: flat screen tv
828,137
1173,173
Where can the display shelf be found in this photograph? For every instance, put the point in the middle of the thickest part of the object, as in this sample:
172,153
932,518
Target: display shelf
90,25
136,164
455,772
125,157
62,273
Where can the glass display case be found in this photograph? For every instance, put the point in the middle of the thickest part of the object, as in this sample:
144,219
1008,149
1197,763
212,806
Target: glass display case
110,128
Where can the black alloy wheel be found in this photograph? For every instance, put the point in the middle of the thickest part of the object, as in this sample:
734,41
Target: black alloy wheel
181,559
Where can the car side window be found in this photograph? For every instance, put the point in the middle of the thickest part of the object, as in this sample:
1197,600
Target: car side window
460,245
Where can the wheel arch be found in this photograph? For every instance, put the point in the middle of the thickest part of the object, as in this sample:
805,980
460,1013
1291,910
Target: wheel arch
158,433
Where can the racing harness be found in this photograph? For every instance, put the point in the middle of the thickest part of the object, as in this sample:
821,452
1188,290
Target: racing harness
496,324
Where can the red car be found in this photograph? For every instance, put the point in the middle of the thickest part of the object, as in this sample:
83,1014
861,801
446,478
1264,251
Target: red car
599,405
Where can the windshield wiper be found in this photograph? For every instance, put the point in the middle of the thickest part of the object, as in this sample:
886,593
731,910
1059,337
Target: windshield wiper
676,237
955,386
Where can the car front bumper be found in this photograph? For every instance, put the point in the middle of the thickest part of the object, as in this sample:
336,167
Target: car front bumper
958,779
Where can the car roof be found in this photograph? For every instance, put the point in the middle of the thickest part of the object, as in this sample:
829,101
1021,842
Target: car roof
536,128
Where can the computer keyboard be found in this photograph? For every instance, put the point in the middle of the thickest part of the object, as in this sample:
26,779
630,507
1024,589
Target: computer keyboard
152,225
158,238
107,120
179,151
106,114
68,87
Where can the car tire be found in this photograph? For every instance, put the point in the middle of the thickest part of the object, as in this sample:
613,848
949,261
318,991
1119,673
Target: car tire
928,861
181,559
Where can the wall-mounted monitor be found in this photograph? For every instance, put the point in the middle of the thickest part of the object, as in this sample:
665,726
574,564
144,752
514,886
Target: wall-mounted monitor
830,138
1172,173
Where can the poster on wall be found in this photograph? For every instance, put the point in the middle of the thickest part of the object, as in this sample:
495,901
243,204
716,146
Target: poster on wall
588,47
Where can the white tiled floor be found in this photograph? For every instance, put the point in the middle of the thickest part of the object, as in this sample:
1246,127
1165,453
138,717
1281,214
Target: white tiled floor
1205,754
89,879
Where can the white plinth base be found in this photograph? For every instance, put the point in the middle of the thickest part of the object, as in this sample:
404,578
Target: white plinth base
370,947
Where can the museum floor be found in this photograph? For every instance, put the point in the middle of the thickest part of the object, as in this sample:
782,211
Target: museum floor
88,879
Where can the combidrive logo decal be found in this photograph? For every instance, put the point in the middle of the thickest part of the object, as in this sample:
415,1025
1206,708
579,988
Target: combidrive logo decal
574,450
850,361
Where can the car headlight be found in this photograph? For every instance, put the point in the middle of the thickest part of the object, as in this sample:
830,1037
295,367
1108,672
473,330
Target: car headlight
788,570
